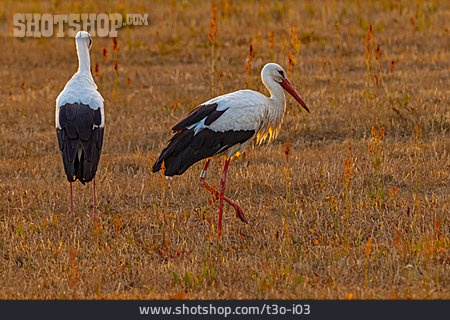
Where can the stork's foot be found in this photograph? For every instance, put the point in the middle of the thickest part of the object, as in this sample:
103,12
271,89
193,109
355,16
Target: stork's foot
239,212
95,216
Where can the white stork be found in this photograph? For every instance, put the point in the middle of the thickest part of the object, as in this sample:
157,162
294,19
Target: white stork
227,124
80,120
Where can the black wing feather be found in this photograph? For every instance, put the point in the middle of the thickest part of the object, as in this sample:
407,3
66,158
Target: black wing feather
80,141
186,148
205,110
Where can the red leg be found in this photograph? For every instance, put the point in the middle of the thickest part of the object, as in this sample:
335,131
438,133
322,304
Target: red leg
204,171
239,212
71,199
223,182
94,201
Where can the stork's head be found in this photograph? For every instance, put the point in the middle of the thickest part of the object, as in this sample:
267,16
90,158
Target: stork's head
276,73
84,38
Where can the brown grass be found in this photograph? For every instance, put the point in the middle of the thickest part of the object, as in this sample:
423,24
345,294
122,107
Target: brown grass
351,201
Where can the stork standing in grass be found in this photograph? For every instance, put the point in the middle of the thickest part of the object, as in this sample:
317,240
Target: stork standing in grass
226,125
80,120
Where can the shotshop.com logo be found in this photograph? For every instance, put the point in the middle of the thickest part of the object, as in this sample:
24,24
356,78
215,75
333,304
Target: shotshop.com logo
38,25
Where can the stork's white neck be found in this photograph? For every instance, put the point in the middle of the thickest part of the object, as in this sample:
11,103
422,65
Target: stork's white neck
275,90
84,60
274,111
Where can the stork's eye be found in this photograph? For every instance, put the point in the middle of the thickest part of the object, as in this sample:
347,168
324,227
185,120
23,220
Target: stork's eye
281,72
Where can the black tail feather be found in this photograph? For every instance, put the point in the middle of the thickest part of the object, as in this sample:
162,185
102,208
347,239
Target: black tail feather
80,141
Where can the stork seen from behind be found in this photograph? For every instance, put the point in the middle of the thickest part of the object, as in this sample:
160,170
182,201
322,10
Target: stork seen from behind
80,122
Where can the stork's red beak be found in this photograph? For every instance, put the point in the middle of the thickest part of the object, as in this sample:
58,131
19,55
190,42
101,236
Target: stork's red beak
291,90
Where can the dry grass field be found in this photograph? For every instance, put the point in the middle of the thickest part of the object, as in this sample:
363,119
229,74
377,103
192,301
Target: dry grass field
351,201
